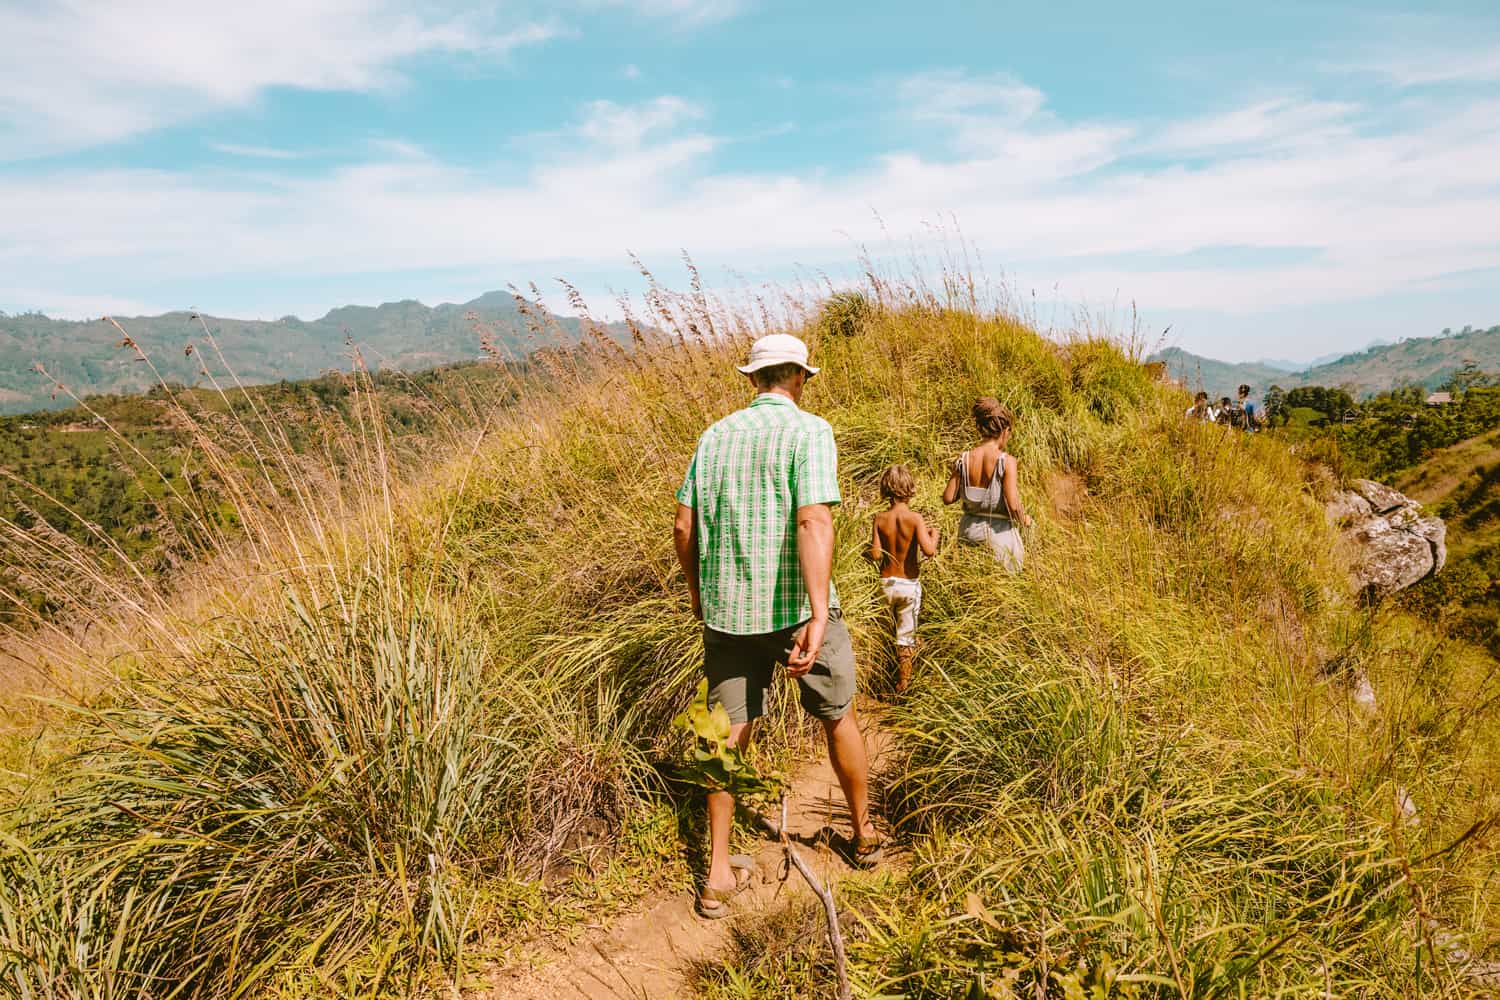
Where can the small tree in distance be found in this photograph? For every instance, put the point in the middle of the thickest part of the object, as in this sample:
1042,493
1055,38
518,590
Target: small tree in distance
1275,404
1467,376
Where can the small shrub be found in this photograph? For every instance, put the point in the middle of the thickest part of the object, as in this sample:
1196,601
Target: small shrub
845,314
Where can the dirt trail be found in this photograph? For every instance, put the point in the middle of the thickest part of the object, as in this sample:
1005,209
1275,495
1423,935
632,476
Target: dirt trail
645,952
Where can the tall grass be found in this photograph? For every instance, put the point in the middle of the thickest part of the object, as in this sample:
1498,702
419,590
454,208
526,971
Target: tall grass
397,693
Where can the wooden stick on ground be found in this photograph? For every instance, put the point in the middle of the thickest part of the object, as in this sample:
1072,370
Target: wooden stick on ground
830,909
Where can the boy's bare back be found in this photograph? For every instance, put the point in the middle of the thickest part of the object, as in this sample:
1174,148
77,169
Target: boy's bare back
901,539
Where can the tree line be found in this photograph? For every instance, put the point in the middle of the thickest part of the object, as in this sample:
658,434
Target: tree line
1391,431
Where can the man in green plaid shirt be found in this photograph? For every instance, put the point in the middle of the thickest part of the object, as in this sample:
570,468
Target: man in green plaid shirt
754,535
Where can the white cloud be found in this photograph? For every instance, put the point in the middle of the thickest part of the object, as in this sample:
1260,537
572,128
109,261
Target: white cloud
68,305
254,152
398,149
1002,119
1395,203
84,72
686,12
1275,123
1421,66
952,98
627,126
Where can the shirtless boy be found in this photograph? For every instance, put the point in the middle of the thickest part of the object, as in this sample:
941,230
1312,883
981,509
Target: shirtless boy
898,542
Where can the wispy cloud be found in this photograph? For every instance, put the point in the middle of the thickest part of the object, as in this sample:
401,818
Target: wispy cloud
1264,125
997,118
684,12
74,74
398,149
623,126
68,305
956,99
254,152
1420,66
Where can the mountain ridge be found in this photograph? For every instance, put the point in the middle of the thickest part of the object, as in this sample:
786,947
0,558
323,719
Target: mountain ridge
87,357
1425,361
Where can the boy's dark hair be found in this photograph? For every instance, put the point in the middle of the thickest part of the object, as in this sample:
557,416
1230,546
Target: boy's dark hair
992,417
774,375
1202,397
1244,391
896,483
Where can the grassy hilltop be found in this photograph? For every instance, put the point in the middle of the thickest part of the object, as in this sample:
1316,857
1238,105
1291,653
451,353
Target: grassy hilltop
413,711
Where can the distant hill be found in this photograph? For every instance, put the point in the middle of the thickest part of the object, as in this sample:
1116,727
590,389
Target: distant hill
1322,359
1427,361
1220,378
87,358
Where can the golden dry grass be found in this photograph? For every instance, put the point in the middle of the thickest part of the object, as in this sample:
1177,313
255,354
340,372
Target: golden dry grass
348,748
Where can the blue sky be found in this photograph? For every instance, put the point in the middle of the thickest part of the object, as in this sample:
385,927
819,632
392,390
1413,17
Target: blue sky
1280,179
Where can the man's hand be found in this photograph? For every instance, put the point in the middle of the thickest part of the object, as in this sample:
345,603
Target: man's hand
805,647
697,600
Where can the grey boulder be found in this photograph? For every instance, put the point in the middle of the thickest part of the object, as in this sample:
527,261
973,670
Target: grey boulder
1390,543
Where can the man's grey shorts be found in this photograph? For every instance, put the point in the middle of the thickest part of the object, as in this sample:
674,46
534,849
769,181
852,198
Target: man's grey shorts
740,668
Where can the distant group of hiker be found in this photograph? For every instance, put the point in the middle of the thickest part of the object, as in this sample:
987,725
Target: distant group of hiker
1242,413
754,536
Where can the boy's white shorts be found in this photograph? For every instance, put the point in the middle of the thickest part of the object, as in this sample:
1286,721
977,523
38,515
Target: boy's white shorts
904,598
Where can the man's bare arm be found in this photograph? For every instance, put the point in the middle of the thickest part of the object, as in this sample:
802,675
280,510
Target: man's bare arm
815,554
685,541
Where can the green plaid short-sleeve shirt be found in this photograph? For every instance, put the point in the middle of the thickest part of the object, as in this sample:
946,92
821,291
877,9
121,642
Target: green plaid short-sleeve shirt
751,472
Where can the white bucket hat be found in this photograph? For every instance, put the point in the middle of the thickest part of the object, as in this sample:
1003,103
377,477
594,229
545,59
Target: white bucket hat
778,349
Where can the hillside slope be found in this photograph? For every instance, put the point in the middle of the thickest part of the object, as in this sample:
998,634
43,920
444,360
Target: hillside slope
414,721
85,472
1435,479
88,359
1426,361
1460,484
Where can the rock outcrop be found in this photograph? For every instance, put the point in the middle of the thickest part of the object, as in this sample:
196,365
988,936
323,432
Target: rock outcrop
1390,542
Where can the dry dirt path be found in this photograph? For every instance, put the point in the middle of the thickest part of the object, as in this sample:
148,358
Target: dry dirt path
644,953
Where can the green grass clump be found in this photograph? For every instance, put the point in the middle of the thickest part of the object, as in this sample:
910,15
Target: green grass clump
325,783
419,710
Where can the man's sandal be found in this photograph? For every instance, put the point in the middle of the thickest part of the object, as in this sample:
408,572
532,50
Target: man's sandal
743,868
866,853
